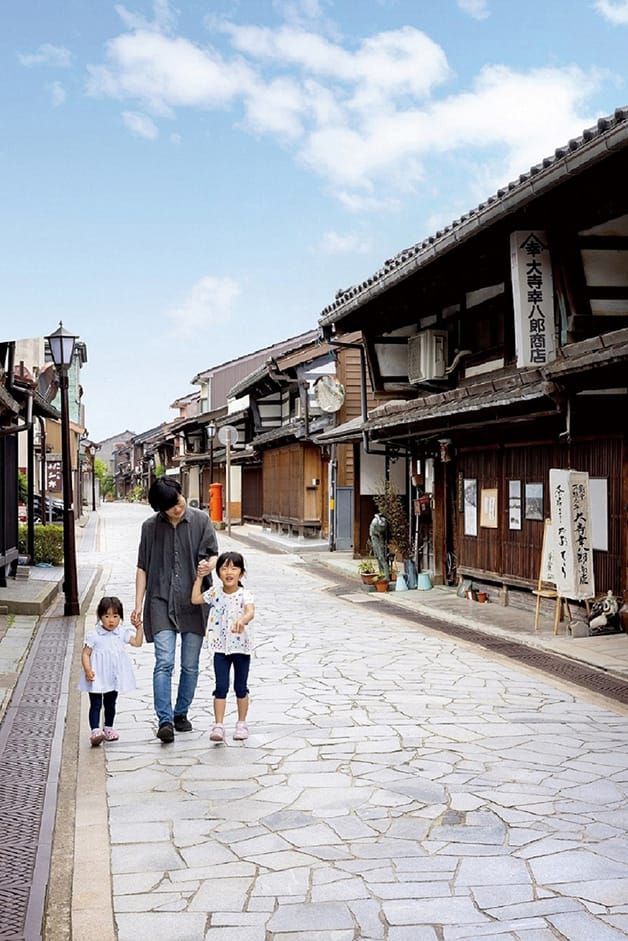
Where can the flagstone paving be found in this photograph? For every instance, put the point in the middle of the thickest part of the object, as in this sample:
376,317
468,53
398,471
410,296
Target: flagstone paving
396,786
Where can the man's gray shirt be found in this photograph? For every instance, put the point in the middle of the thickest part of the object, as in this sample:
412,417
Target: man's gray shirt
169,556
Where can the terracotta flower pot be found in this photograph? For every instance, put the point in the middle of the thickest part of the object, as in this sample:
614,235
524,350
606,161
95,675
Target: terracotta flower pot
381,585
368,577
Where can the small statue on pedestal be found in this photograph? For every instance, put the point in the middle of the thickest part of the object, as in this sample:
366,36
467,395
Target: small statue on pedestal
378,534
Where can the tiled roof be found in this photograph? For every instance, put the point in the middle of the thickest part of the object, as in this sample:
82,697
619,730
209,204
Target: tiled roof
494,393
499,392
292,430
274,349
609,134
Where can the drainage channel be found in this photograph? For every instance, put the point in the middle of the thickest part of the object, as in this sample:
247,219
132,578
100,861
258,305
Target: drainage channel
31,737
588,677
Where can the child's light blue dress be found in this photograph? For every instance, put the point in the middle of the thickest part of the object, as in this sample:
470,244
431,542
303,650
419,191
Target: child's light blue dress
110,661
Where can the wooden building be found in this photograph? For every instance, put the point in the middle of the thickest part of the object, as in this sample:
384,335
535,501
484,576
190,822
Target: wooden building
191,447
501,347
22,406
285,417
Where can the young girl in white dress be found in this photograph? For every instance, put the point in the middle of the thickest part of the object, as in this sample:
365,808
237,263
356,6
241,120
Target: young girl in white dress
231,610
107,667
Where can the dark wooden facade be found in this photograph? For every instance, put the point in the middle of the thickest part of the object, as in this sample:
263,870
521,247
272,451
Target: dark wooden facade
252,493
8,504
295,492
512,556
490,418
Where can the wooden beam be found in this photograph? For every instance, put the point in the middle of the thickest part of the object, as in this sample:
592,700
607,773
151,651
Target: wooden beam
603,243
607,293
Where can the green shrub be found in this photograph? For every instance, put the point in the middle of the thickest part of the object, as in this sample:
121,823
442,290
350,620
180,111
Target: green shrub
136,494
391,505
48,543
22,487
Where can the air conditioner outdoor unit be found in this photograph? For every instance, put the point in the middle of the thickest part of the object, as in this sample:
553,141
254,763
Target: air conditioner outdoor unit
427,356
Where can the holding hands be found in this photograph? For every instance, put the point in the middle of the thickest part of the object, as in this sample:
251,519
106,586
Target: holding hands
136,618
203,568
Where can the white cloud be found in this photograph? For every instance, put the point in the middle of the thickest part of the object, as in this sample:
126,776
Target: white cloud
478,9
276,108
47,54
57,94
368,119
615,11
140,125
164,73
399,62
164,17
524,114
308,14
334,243
209,303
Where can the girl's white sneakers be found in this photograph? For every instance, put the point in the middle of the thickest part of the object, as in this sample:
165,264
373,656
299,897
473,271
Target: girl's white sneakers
241,732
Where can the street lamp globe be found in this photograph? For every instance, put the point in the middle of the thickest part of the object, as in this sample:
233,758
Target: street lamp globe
61,344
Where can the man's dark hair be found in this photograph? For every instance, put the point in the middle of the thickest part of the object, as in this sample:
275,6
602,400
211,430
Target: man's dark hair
164,493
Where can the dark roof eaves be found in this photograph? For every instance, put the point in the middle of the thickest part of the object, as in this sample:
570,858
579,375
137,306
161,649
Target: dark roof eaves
413,414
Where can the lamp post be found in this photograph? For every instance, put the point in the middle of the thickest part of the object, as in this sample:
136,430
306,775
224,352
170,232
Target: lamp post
62,350
211,433
91,451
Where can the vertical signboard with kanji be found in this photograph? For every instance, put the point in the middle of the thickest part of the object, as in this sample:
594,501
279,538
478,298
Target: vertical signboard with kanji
571,532
533,298
54,474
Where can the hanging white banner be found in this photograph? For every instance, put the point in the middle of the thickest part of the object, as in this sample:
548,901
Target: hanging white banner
533,298
571,534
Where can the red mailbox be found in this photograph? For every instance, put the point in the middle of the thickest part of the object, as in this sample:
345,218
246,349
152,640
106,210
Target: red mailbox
215,503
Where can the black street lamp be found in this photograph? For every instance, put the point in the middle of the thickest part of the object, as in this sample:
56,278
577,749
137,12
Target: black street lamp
210,430
91,451
62,350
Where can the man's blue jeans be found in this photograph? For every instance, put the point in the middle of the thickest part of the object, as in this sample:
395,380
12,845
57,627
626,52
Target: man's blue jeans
165,645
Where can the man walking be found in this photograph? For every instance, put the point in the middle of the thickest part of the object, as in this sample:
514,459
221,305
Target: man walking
172,544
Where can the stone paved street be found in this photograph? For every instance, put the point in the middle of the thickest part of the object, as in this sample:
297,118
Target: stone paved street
396,786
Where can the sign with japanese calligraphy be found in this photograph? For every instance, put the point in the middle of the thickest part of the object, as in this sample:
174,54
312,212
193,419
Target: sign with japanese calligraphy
571,532
548,554
54,476
533,298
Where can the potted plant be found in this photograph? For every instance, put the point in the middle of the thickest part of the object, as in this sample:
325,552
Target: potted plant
381,582
367,570
390,504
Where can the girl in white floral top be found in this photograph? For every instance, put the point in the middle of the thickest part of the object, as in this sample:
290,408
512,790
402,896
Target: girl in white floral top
231,610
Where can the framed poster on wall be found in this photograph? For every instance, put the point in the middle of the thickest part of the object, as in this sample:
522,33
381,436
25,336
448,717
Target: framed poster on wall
470,506
534,502
514,504
488,509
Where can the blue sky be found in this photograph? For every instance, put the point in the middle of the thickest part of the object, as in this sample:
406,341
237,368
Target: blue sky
185,183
